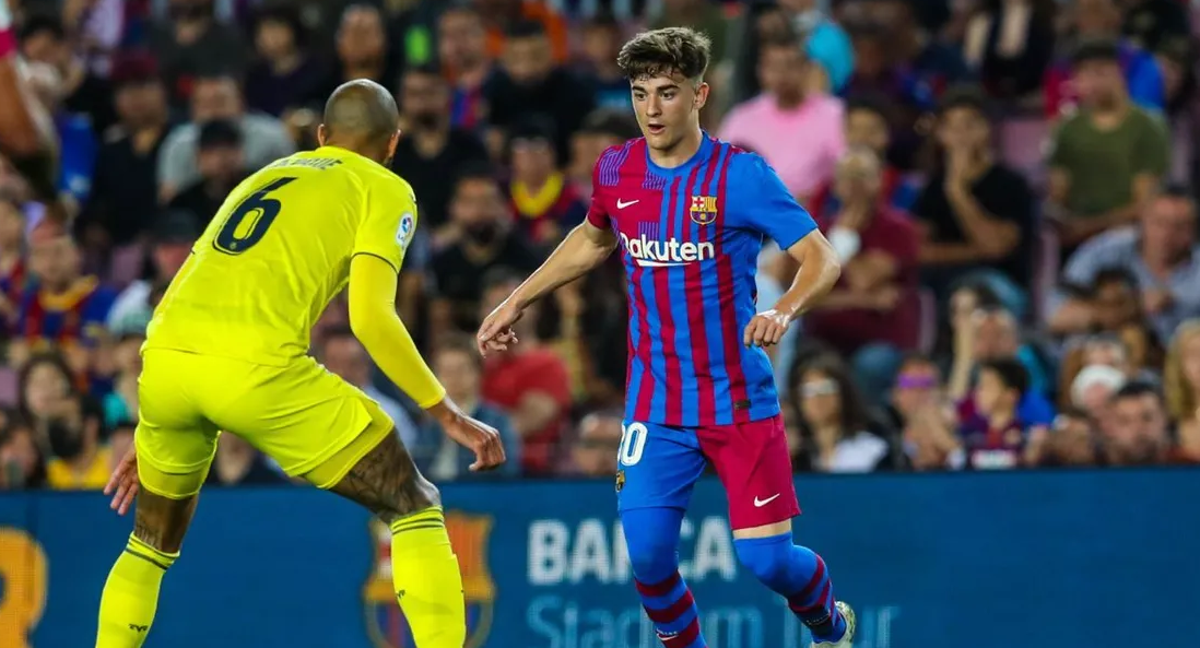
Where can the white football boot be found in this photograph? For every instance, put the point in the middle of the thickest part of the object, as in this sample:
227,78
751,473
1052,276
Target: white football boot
847,640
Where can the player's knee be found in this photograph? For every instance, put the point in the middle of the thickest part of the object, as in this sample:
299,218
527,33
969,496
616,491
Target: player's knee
769,559
652,556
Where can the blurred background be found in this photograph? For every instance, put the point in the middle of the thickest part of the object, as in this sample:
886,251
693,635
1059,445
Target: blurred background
1023,300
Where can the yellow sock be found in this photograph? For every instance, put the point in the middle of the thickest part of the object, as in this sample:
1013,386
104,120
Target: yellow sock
131,595
428,583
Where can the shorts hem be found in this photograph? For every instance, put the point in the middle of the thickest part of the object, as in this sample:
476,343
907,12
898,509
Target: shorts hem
375,432
147,457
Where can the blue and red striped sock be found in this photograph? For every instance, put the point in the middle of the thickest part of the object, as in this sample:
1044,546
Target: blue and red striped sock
799,575
670,605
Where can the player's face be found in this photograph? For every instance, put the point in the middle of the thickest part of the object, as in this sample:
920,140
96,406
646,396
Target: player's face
458,373
668,108
867,128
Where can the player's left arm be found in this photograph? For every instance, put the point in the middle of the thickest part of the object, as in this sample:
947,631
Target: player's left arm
772,210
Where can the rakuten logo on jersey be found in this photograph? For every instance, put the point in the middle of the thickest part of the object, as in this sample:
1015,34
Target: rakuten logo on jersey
661,254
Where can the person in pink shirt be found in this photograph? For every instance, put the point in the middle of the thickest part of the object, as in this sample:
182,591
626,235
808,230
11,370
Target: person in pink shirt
799,134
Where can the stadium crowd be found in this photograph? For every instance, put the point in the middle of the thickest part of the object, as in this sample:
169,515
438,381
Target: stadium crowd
1005,181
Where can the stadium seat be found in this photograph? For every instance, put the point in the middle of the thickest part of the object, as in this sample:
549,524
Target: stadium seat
928,327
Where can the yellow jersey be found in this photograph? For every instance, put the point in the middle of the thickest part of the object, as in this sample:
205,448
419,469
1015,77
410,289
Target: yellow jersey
278,251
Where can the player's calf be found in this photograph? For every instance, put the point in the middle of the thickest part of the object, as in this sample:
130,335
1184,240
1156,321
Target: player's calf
799,575
652,542
425,570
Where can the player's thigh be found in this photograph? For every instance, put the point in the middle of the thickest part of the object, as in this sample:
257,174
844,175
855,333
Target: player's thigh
386,482
755,466
175,441
657,466
313,423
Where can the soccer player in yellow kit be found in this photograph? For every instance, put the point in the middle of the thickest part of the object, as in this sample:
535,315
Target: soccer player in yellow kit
226,350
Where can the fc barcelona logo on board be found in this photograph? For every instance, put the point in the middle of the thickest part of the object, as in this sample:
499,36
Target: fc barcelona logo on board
469,536
704,209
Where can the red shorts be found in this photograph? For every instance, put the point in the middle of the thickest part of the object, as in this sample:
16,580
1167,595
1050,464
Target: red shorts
658,466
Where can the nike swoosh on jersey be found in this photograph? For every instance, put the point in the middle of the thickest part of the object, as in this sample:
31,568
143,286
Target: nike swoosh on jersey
621,204
761,503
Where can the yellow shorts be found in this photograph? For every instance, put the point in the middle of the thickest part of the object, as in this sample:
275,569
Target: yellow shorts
313,423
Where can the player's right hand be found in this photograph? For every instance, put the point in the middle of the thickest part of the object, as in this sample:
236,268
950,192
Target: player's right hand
476,436
496,334
123,484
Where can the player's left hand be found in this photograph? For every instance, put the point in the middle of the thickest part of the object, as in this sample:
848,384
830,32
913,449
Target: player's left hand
123,484
766,329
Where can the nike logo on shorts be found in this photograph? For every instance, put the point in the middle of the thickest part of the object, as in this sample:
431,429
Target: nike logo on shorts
761,503
621,204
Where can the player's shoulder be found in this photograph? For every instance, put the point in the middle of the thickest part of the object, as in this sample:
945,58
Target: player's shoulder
743,163
609,166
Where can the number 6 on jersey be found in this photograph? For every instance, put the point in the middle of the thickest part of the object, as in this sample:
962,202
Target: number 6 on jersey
235,237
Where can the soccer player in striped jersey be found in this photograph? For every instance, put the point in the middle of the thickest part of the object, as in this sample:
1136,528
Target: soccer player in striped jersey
689,214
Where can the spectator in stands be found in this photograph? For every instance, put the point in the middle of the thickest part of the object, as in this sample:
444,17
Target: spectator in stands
45,379
64,308
991,333
976,214
1148,23
1092,20
824,42
1106,159
799,133
21,461
544,203
1010,45
284,75
1073,443
992,431
836,432
529,84
530,381
237,463
362,51
1135,433
602,40
221,161
81,91
264,138
433,149
501,16
462,51
457,364
866,126
192,44
873,310
121,404
172,237
917,387
1104,349
1161,256
124,196
1181,382
602,128
344,355
78,458
14,269
1111,305
483,239
1093,388
594,452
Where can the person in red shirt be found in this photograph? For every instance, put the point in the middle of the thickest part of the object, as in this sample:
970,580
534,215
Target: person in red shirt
875,300
531,382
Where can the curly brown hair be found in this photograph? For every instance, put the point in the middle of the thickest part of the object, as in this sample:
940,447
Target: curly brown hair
666,51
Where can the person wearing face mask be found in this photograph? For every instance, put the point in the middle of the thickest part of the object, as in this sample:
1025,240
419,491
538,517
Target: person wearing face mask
484,239
78,459
431,149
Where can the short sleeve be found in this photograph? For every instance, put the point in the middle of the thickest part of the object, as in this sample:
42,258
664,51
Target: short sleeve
755,193
389,223
597,214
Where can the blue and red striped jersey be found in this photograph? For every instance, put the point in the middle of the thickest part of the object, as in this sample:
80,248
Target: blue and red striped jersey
690,238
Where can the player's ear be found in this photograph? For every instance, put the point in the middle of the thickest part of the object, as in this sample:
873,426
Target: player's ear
393,142
701,95
321,135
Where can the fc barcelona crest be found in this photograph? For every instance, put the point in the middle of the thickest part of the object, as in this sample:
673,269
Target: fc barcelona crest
469,536
703,210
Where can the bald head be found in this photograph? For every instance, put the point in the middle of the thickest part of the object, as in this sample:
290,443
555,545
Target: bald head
361,116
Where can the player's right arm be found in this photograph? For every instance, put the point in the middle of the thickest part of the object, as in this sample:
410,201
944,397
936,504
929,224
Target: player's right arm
382,239
584,248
